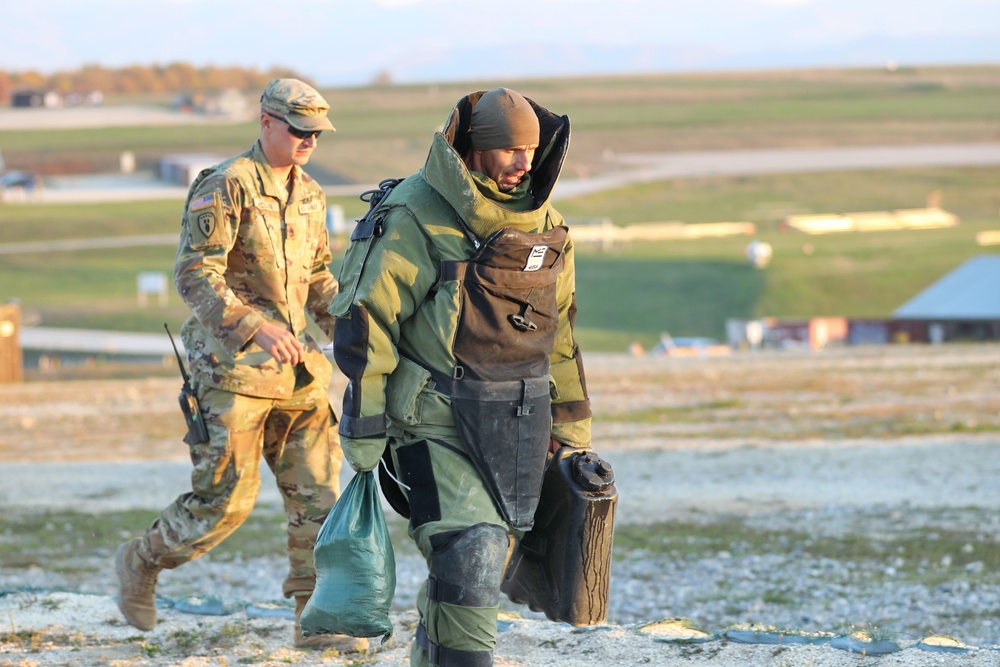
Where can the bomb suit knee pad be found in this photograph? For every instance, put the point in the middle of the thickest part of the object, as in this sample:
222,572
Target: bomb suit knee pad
466,568
458,620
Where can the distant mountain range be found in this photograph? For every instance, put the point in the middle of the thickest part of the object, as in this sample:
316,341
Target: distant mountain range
577,60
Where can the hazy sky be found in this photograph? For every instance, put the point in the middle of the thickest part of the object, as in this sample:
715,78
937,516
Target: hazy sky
348,42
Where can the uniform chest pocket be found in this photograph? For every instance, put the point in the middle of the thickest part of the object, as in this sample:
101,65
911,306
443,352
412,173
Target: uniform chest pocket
305,223
261,247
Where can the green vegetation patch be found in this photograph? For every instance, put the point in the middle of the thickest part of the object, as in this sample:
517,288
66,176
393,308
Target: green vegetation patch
67,539
929,555
35,641
79,543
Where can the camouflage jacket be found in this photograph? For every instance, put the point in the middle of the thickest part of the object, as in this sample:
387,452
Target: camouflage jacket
247,257
394,308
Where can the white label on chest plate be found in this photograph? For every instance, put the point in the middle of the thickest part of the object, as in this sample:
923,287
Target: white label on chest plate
536,257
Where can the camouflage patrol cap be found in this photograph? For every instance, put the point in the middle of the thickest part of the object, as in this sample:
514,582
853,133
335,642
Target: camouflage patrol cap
298,103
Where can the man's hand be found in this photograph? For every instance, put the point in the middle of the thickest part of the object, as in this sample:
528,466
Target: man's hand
280,344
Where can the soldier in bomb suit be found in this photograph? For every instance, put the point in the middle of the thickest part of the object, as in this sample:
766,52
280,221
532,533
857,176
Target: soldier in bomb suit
455,329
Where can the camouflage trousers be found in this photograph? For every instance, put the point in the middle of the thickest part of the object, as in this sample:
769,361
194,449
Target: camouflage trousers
297,438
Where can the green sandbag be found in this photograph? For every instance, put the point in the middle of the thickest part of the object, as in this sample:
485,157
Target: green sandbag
355,567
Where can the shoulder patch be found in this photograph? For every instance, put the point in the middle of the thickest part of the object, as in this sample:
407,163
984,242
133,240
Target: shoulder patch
205,201
206,221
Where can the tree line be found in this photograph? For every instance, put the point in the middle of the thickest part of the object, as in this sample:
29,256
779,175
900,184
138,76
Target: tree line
173,78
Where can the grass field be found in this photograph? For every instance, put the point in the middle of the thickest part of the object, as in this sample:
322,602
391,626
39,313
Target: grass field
690,287
626,293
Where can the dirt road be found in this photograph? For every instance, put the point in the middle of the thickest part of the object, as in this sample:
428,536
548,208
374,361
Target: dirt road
792,429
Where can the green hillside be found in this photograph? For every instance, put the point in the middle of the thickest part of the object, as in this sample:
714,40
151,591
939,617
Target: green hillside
385,130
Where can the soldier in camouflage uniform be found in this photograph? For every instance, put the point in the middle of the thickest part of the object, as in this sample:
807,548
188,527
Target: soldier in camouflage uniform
252,261
455,329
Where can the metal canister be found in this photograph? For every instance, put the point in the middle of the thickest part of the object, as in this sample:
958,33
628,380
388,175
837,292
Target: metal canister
562,566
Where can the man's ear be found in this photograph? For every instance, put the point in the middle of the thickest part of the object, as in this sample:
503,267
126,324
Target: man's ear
474,160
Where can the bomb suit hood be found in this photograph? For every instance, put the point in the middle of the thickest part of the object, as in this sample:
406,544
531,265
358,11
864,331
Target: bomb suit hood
445,171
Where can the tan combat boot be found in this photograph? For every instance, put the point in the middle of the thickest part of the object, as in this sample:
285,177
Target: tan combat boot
136,586
342,643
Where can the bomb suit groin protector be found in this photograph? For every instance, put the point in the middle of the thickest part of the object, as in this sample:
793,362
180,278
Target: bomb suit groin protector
500,387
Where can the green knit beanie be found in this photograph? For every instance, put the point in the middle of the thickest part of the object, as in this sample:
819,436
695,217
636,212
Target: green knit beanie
502,118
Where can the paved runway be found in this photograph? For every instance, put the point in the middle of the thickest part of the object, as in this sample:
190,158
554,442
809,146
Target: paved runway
651,167
92,341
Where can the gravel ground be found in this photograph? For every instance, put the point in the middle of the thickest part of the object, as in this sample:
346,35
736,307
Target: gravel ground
692,469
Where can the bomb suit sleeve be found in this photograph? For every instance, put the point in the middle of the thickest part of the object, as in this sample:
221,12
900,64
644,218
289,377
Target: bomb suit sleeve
387,271
571,415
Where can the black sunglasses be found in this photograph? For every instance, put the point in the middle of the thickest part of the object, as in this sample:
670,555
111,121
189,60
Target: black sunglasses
294,131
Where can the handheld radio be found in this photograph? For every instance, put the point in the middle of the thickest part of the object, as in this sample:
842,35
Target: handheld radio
197,431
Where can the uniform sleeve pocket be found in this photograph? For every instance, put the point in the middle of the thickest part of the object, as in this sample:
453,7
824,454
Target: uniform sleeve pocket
206,222
404,390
